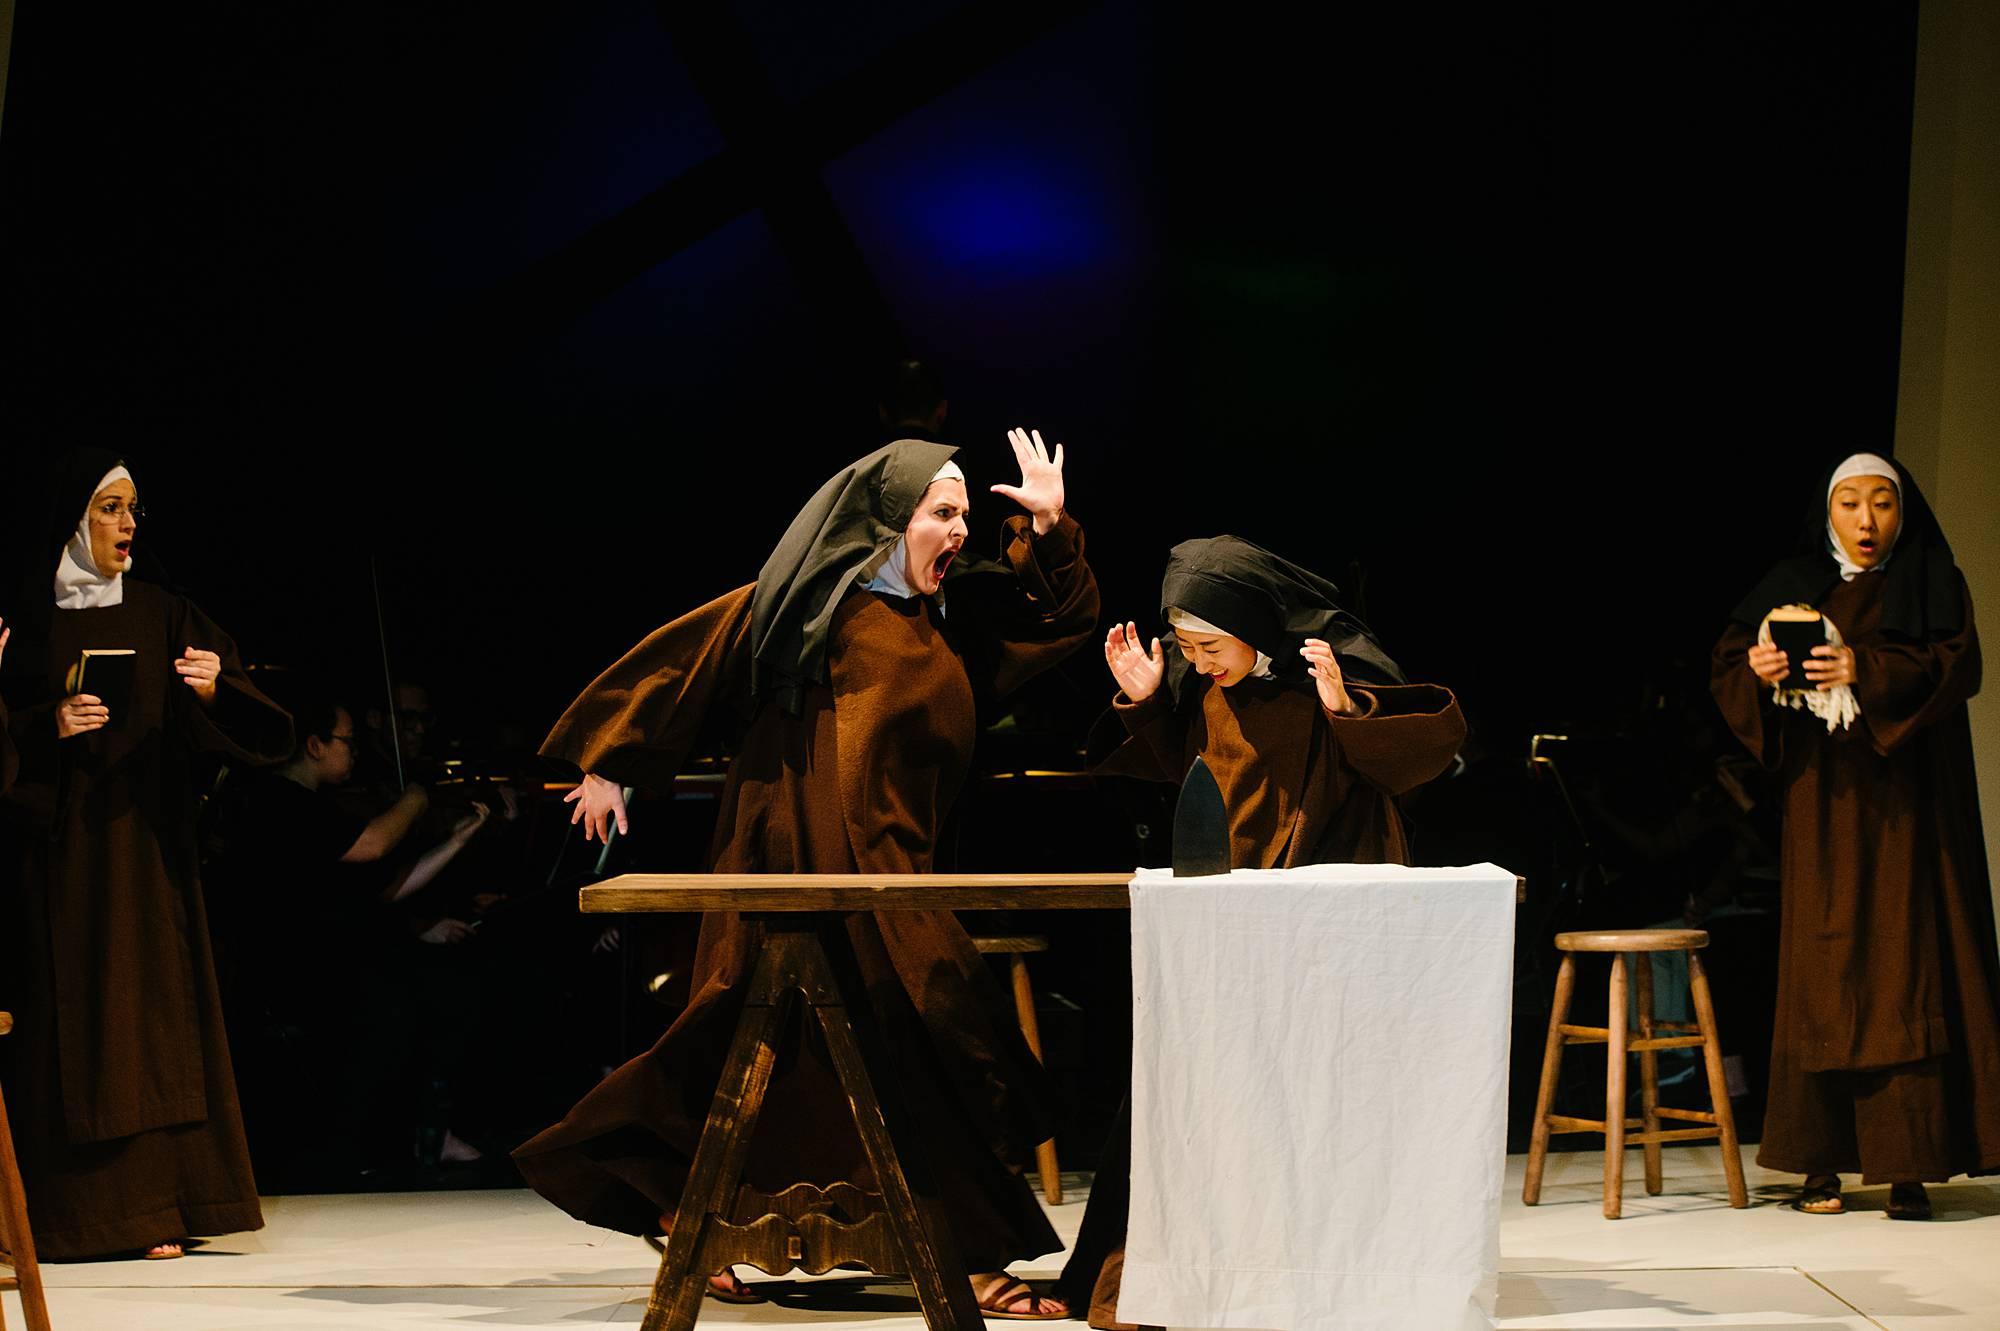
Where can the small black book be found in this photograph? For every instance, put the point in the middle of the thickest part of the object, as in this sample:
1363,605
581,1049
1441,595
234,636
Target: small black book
107,673
1796,633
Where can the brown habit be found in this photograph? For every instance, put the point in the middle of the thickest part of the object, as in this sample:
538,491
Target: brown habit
859,780
121,1092
1301,786
10,761
1886,1056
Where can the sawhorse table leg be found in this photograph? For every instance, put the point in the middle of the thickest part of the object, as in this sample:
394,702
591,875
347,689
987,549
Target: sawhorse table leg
703,1240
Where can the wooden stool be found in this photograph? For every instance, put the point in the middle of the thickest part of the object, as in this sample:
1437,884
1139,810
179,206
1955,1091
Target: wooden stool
14,1234
1015,947
1721,1123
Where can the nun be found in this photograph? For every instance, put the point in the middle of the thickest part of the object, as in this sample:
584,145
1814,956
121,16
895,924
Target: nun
124,1103
10,761
1885,1060
1307,724
860,665
1311,732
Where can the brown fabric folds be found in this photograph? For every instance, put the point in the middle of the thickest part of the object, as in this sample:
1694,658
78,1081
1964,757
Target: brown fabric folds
1887,961
1302,786
128,1126
857,779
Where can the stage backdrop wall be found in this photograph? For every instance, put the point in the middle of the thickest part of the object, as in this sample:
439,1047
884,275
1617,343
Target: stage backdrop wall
1948,402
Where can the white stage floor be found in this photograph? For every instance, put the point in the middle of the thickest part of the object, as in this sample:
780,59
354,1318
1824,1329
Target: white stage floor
506,1259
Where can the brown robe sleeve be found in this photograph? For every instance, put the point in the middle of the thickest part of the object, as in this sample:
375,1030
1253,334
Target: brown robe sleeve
31,733
1744,699
1903,687
1157,750
1049,614
637,721
241,724
10,761
1405,734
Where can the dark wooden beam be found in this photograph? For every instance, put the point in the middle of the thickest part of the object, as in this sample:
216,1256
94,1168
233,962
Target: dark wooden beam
773,160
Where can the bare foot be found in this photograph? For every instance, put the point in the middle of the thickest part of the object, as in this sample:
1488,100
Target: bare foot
1001,1295
161,1252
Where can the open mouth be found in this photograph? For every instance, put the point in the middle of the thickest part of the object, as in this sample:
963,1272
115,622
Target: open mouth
124,549
941,563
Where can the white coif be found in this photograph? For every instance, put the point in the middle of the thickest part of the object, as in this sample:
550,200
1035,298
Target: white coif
1319,1097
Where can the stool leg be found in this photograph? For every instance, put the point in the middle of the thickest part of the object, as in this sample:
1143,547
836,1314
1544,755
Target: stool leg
1718,1084
1031,1030
1614,1093
14,1228
1552,1056
1649,1071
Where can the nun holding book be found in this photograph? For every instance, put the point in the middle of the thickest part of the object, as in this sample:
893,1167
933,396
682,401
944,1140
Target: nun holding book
122,1094
1847,670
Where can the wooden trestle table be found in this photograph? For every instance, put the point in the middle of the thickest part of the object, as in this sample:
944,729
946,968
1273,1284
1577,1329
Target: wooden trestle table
805,952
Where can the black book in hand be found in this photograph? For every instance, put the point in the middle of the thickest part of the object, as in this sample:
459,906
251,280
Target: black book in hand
107,674
1795,632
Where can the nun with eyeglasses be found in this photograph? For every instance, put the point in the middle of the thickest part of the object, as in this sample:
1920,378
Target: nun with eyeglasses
120,1086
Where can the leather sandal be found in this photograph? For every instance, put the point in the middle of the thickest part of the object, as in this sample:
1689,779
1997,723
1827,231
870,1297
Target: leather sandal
736,1292
1820,1195
1006,1292
1909,1201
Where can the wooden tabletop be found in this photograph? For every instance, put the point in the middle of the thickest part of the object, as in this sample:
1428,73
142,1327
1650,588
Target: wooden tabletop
637,893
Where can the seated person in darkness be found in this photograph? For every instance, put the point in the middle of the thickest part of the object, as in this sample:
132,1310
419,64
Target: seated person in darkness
310,872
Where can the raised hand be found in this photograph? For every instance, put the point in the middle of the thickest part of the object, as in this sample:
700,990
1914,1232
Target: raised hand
1137,671
599,803
1041,487
1326,672
1769,663
200,669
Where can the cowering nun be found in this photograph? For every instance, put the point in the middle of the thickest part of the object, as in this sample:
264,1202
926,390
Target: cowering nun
1311,733
1885,1054
1302,783
124,1101
858,709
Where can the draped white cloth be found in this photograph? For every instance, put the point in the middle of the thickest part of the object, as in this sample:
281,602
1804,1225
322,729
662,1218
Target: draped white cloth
1319,1097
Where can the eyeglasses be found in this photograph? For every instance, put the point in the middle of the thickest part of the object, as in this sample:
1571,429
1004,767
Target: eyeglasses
348,740
113,510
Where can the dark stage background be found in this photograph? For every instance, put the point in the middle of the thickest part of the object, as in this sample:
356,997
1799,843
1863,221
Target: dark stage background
1529,324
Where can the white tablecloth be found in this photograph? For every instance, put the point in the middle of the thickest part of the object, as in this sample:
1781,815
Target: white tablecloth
1319,1097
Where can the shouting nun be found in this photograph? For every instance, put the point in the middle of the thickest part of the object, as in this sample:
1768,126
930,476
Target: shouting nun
863,658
